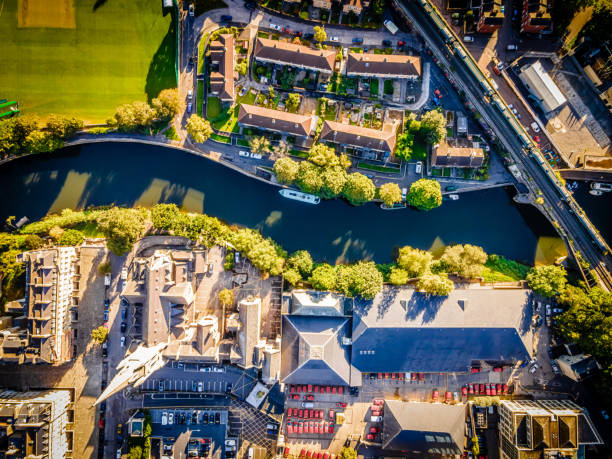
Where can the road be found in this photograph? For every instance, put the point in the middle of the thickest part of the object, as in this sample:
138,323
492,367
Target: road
555,202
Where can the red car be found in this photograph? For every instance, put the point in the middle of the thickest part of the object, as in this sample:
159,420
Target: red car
493,392
374,430
471,388
401,376
301,415
505,389
331,428
308,454
482,389
292,389
331,414
333,389
316,428
464,391
435,395
316,389
448,396
309,387
369,437
340,390
300,427
498,387
380,376
289,428
498,369
326,456
401,43
310,398
487,389
475,370
311,414
295,397
303,452
319,455
386,375
286,452
421,376
286,30
326,428
310,426
320,414
299,388
392,375
378,401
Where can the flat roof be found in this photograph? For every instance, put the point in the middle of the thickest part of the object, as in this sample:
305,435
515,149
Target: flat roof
539,82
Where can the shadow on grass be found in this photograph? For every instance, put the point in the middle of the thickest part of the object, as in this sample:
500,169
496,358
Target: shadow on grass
162,73
98,4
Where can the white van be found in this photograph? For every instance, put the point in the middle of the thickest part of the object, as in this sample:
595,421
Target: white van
243,153
511,48
251,453
468,38
307,405
404,193
375,418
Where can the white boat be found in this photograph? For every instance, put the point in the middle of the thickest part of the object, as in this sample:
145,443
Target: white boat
299,196
454,197
595,192
601,186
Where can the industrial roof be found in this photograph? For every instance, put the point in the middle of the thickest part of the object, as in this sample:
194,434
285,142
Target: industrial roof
539,82
440,334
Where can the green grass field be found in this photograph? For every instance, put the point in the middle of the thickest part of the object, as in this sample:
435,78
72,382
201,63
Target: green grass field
119,52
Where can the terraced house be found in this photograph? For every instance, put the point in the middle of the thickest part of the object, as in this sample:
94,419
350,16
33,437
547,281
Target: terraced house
383,66
299,56
222,57
276,121
365,139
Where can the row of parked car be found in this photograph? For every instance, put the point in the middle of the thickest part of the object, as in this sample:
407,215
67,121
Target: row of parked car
316,389
310,414
309,427
195,417
404,376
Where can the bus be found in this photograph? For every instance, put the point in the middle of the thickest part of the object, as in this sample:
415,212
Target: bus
390,26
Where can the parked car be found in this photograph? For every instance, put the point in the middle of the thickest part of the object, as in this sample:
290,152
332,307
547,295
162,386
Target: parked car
468,38
243,153
386,43
308,36
189,107
123,341
170,418
105,316
161,385
217,417
512,48
226,18
106,304
401,43
164,418
191,10
256,156
419,167
357,40
435,395
123,327
335,39
249,5
533,368
190,94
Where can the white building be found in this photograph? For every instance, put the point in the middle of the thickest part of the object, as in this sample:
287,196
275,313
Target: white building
541,86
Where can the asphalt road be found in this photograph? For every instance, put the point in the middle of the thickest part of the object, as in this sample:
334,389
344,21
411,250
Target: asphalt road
555,201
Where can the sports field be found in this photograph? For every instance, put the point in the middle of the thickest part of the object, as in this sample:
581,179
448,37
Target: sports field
84,57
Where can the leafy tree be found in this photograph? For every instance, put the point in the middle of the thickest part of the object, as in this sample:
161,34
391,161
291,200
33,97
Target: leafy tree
135,452
71,237
100,334
435,284
403,147
226,297
412,124
367,280
433,126
56,233
358,189
425,194
323,155
323,277
264,253
212,231
547,280
242,67
42,142
286,170
281,150
348,453
293,102
390,193
271,92
164,216
198,128
292,276
319,34
105,268
398,276
132,117
301,261
122,227
259,145
344,279
334,179
33,242
63,127
414,261
345,161
378,7
167,104
465,260
14,133
309,177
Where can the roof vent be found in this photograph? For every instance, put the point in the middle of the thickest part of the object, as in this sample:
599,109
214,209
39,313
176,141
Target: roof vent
273,121
296,125
250,115
463,303
367,64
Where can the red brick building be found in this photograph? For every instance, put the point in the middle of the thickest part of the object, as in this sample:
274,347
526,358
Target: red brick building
536,16
491,16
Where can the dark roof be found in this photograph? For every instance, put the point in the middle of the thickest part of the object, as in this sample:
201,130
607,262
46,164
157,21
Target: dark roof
357,136
431,428
440,334
281,52
396,65
312,350
446,155
275,120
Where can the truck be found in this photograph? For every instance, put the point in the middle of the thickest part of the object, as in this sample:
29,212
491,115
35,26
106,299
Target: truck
391,27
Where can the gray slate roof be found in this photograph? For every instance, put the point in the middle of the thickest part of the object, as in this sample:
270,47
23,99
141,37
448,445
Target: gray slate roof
431,428
440,334
312,350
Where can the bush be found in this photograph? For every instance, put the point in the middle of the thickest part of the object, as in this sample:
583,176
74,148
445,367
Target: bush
71,237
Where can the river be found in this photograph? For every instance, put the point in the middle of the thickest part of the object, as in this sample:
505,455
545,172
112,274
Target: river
138,174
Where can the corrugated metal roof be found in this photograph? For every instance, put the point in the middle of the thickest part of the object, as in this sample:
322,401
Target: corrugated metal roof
539,82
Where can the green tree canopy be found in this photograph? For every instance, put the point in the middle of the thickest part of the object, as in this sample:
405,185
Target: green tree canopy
264,253
358,189
398,276
122,227
99,334
226,297
433,126
42,142
390,193
309,177
547,280
465,260
164,216
320,34
259,145
323,155
292,276
348,453
435,284
71,237
414,261
403,147
425,194
281,149
293,102
14,133
167,104
198,128
132,117
361,279
302,262
323,277
33,242
242,67
334,179
63,127
286,170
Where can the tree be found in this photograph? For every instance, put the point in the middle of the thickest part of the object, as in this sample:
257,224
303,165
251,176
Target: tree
135,452
99,334
301,261
281,150
319,34
167,104
132,117
292,276
164,216
33,242
286,170
63,127
345,161
547,280
367,280
403,147
435,284
293,102
71,237
105,268
390,193
348,453
465,260
309,177
271,92
122,227
433,126
259,145
334,179
398,276
323,277
414,261
297,41
42,142
242,67
226,297
323,155
358,189
56,232
198,128
425,194
14,133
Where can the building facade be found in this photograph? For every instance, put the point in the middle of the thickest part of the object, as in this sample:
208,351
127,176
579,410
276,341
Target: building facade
36,424
491,16
536,16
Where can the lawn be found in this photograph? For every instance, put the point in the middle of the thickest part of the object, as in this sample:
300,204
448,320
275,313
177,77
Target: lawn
111,53
228,123
213,107
500,269
373,167
200,97
419,149
221,138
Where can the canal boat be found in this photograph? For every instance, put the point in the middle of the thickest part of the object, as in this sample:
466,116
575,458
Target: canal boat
596,192
299,196
453,197
601,186
397,205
